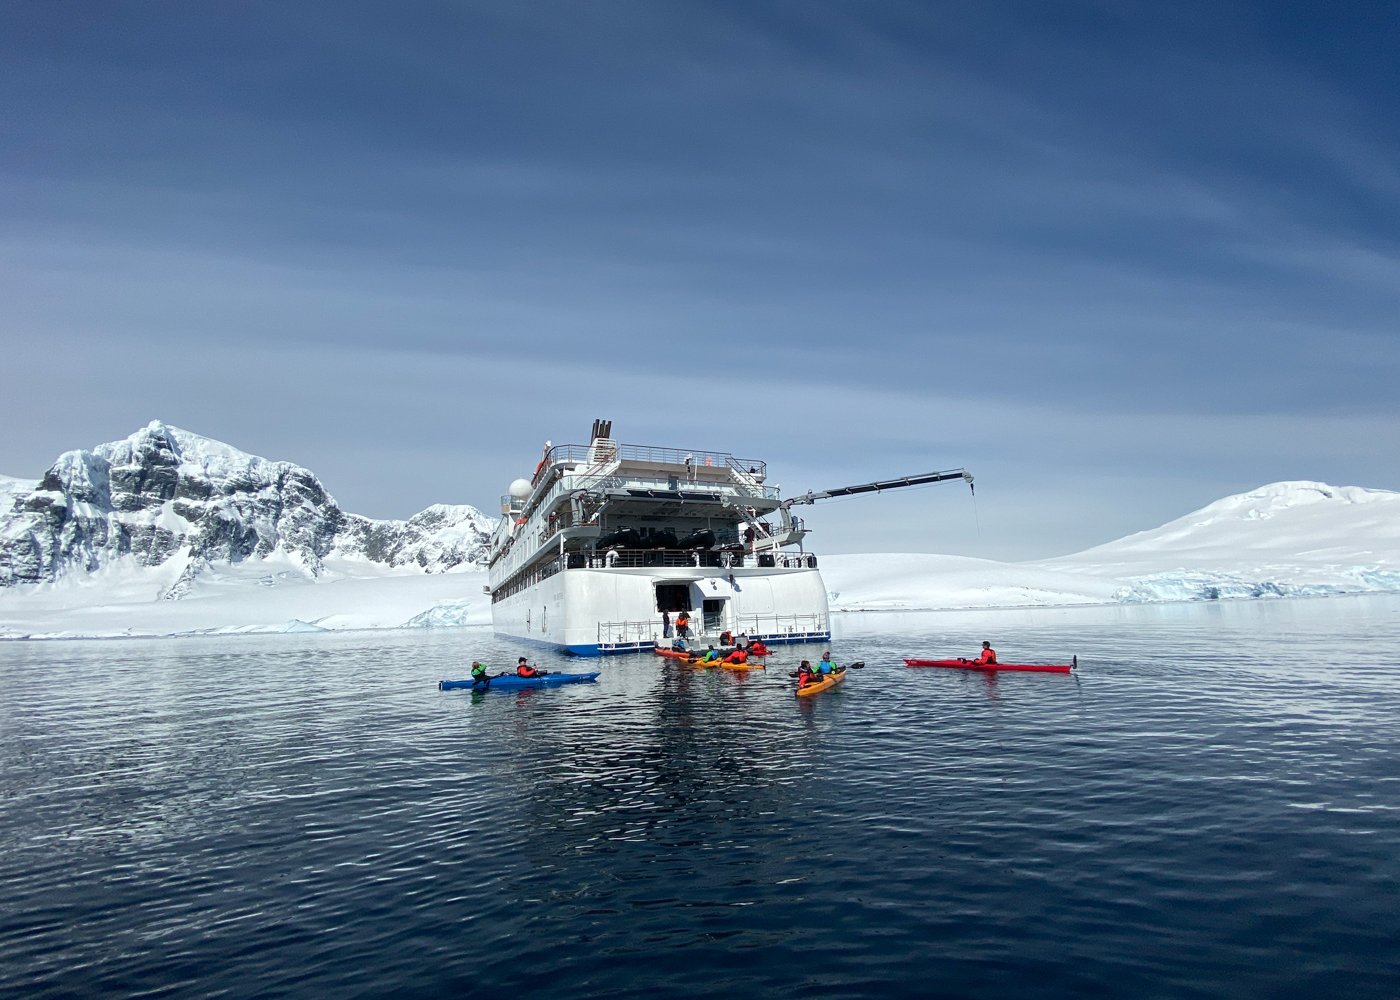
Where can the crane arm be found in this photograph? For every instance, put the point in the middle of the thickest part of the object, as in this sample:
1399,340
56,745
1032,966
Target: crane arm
883,484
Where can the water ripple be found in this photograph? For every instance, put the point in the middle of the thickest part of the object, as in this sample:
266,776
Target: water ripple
1208,808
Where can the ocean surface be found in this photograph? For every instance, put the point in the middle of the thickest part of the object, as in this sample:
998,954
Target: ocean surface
1207,808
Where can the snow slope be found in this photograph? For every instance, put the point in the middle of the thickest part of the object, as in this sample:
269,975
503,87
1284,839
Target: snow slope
271,604
1284,539
1292,538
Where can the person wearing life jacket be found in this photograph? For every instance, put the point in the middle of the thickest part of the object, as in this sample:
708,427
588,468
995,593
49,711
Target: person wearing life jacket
988,656
738,656
479,674
683,624
826,666
523,669
805,675
757,648
712,655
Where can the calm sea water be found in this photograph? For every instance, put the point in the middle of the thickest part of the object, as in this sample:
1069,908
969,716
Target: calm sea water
1208,809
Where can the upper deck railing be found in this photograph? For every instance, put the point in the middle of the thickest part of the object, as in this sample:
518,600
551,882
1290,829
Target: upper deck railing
653,455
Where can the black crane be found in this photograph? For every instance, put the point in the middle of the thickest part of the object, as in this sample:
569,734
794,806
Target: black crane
883,484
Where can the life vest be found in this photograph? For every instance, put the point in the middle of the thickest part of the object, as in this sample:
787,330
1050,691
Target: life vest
758,649
986,656
526,671
738,656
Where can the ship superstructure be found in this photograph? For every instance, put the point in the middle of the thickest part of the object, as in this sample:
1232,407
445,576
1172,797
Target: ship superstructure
606,538
607,544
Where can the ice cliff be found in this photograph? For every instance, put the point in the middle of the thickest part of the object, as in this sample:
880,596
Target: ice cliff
166,498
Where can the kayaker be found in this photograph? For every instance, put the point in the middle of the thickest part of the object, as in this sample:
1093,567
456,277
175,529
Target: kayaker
712,655
479,674
804,674
757,648
826,666
987,656
523,669
738,656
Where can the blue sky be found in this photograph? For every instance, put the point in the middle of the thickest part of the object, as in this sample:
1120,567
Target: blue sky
1117,259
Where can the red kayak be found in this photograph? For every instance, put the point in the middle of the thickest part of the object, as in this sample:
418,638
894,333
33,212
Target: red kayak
1039,668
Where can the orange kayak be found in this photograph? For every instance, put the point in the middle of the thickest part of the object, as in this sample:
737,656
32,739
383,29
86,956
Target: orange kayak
827,682
694,661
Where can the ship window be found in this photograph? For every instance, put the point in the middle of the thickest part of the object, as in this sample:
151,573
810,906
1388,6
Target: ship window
673,597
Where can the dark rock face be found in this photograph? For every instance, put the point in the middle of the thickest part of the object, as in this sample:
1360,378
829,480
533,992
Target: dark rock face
164,494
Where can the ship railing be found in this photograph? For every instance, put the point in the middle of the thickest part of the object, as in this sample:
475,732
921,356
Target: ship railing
771,625
572,484
654,455
633,558
686,559
628,633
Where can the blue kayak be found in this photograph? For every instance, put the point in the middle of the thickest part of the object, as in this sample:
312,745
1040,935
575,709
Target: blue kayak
511,682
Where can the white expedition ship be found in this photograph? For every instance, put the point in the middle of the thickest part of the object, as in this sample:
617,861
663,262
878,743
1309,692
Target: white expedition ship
606,538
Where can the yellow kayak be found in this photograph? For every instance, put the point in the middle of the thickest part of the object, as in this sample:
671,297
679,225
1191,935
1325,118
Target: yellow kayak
695,662
830,681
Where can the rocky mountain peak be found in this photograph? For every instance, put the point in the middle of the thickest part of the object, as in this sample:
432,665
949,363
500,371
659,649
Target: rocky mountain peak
165,497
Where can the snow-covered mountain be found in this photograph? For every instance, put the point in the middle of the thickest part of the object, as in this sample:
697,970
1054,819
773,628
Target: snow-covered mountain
172,506
1284,539
1290,538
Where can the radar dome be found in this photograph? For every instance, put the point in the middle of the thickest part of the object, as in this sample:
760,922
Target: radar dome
520,489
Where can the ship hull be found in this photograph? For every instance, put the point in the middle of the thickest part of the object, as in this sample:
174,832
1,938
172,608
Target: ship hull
600,612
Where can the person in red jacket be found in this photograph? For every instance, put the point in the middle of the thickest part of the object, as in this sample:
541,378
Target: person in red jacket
988,656
523,669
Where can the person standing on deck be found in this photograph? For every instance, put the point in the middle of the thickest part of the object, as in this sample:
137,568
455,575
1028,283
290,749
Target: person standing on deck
665,624
683,624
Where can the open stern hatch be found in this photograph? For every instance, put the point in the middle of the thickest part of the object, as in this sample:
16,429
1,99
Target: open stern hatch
605,539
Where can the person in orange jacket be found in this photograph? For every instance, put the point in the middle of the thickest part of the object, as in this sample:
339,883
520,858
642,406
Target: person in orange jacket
523,669
988,656
738,656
